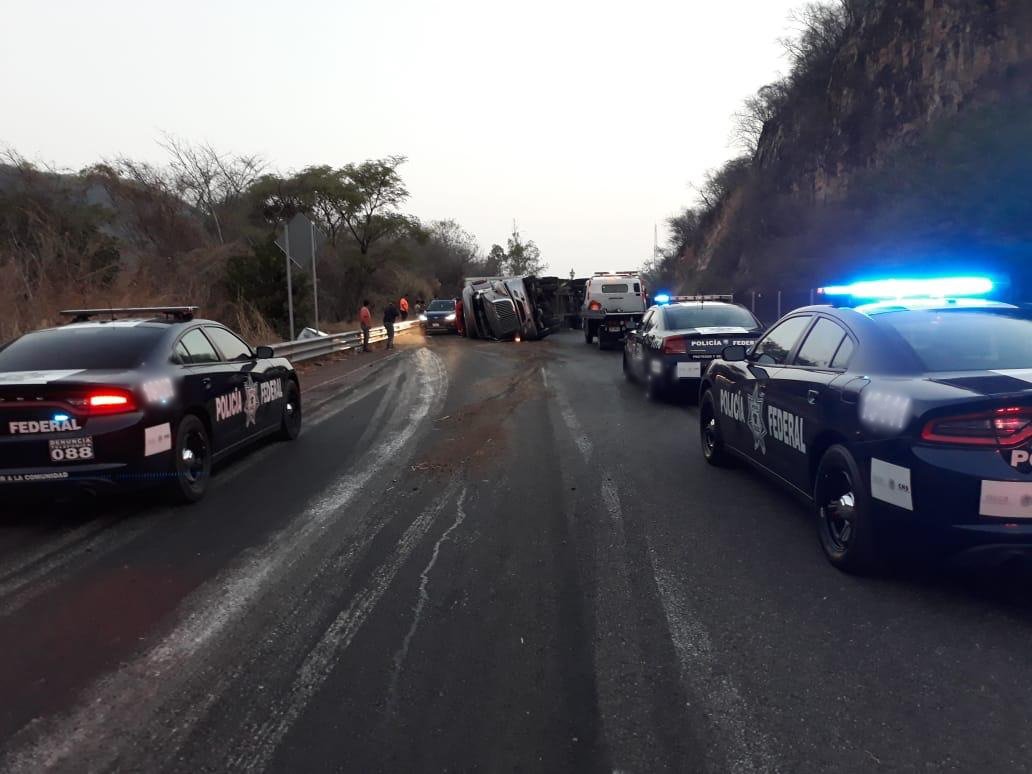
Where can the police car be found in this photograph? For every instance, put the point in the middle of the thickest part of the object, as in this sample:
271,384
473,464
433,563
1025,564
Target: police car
913,414
679,336
127,397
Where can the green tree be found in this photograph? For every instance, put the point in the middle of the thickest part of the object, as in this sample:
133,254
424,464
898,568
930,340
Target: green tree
522,257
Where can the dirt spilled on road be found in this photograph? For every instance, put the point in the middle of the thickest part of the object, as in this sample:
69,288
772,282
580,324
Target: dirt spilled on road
477,434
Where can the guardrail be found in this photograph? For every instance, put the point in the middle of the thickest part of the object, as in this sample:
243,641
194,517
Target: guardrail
321,346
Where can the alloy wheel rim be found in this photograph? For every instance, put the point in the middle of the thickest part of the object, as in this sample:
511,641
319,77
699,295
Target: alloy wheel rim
193,457
839,510
709,438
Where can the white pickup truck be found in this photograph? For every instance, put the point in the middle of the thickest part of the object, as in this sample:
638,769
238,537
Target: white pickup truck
614,303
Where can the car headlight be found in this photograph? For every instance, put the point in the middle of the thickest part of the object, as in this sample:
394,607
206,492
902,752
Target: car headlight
422,318
451,317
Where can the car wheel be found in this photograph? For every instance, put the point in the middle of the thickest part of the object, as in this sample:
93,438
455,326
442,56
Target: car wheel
845,525
713,449
290,424
192,461
603,342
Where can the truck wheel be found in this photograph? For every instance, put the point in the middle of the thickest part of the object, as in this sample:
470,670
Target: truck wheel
713,450
588,332
842,505
603,340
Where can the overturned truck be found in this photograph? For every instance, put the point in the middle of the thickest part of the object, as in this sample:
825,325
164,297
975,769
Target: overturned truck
507,308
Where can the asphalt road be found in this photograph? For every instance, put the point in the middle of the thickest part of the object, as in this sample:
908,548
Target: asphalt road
494,557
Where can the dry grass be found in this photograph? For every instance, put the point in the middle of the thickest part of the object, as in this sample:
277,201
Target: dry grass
191,279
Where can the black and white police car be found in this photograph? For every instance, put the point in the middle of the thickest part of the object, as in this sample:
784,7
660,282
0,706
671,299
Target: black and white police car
130,397
677,338
912,415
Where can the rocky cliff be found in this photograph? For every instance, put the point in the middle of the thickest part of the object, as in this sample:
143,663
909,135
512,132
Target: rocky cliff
913,140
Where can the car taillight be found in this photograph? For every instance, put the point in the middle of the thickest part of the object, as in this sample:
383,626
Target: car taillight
110,401
594,306
999,427
675,345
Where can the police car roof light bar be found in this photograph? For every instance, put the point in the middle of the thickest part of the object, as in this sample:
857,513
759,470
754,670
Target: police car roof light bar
933,287
176,312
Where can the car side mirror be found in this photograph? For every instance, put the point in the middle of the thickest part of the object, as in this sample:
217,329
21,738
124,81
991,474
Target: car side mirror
264,353
735,353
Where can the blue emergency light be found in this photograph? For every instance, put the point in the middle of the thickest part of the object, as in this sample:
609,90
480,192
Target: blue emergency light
661,298
61,417
932,287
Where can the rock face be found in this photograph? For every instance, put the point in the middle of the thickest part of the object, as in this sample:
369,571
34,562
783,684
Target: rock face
906,66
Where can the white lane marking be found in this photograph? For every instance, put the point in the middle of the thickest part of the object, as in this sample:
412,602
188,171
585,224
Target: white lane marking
619,664
574,426
323,658
424,598
749,750
101,726
744,746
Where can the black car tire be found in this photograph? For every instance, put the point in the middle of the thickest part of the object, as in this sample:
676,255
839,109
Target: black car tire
713,450
588,332
191,463
290,424
603,340
842,505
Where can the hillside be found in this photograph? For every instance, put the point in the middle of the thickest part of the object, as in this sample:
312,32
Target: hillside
899,138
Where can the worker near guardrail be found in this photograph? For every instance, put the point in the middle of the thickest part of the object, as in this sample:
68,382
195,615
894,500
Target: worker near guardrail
365,318
390,314
403,306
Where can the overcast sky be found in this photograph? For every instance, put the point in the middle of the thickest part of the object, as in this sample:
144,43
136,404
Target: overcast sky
587,122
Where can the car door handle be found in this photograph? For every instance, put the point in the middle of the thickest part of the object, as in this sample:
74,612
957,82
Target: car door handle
811,396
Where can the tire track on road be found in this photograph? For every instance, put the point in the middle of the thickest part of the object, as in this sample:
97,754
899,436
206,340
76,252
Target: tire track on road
338,637
47,566
118,710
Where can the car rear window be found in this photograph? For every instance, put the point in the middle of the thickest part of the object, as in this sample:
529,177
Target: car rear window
440,305
716,316
965,340
614,288
80,347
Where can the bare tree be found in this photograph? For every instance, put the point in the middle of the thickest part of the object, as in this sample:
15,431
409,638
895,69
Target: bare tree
759,110
208,178
718,183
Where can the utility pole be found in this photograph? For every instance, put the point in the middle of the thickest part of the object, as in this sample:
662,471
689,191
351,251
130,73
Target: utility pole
655,241
290,286
315,279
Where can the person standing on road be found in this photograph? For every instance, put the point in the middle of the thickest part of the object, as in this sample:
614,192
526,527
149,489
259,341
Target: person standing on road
460,321
390,314
365,318
403,306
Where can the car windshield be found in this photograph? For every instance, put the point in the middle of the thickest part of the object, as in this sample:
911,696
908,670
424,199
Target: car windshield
715,316
968,340
80,347
441,305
